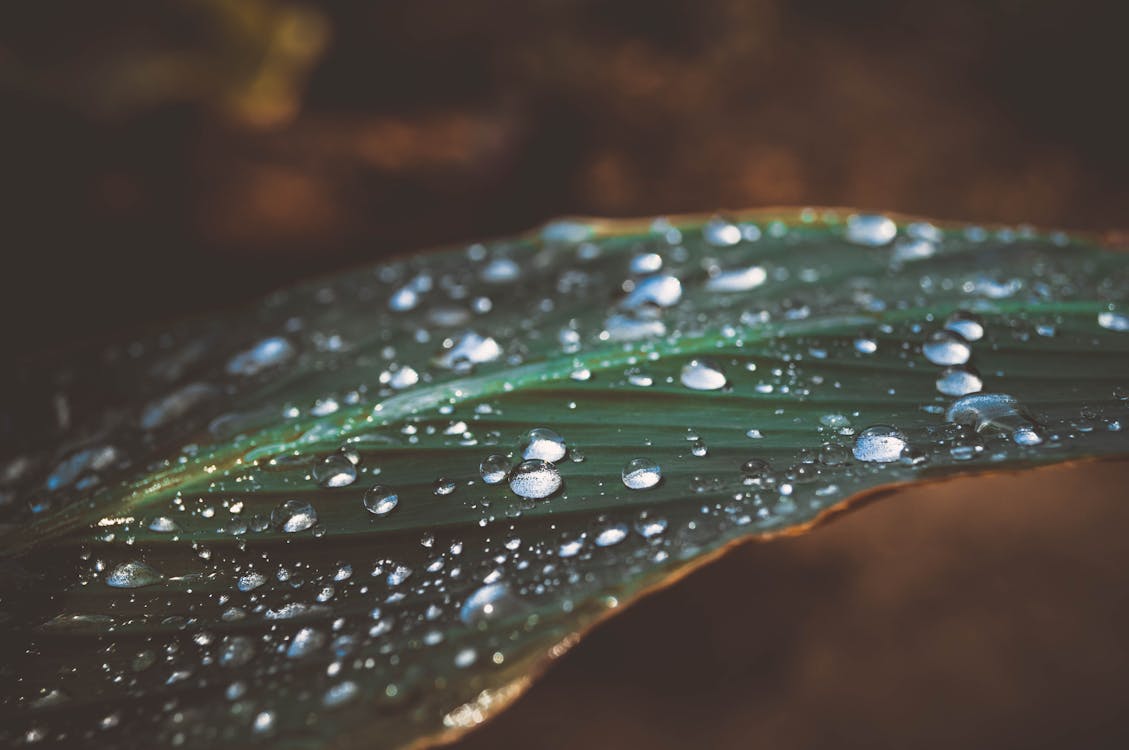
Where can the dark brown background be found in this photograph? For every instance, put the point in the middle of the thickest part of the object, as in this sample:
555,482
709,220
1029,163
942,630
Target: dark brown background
162,158
159,159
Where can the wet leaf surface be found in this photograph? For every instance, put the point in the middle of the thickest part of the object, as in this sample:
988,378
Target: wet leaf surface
362,512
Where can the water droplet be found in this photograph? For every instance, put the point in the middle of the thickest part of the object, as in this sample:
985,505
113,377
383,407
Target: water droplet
264,722
641,474
340,694
611,536
699,448
866,345
488,602
132,575
880,444
543,443
236,650
946,348
648,527
871,230
305,642
251,581
444,486
494,468
380,500
702,375
959,381
969,325
645,263
988,412
176,405
737,280
535,479
293,515
471,349
624,328
1114,321
163,525
267,353
335,470
403,377
661,290
721,233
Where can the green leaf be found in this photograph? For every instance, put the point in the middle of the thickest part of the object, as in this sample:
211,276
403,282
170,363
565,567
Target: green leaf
276,526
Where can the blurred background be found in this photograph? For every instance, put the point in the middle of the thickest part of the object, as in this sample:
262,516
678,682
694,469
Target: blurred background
164,159
159,159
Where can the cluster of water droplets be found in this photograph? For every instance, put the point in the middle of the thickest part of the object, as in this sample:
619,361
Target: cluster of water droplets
408,525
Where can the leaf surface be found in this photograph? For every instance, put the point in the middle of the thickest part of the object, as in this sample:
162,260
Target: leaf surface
276,526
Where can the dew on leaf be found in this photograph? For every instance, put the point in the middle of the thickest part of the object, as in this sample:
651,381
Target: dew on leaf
291,516
535,479
880,444
380,500
132,575
335,470
641,474
543,443
946,348
702,375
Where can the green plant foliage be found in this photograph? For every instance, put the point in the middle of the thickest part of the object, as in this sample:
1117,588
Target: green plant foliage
324,522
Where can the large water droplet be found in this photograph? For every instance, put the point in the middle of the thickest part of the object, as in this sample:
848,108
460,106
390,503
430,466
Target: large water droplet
702,375
994,412
880,444
959,381
641,474
380,500
132,575
872,230
535,479
543,443
293,515
946,348
335,470
494,468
